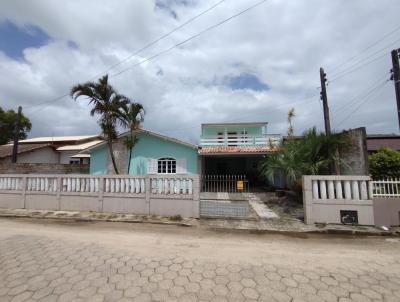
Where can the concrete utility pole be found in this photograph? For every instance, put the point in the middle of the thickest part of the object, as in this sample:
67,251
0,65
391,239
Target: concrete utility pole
396,79
324,99
16,136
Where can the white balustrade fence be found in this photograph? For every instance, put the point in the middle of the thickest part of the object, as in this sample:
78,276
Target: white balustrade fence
161,194
389,188
337,188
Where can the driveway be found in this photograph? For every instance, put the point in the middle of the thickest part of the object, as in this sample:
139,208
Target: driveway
42,260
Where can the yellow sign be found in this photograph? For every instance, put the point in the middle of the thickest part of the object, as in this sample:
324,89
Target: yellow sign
239,185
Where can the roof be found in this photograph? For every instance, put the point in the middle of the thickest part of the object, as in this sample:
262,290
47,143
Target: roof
83,155
234,124
53,139
390,135
79,147
375,142
152,133
235,150
6,150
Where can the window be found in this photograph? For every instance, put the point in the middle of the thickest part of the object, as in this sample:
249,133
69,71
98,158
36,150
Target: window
166,165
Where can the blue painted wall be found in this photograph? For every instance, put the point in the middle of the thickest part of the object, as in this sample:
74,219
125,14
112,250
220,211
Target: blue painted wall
98,160
147,147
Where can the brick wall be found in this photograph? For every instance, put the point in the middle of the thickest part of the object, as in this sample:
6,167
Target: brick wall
20,168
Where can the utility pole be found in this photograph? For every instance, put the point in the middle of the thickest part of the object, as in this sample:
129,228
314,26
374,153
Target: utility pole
16,136
396,79
324,99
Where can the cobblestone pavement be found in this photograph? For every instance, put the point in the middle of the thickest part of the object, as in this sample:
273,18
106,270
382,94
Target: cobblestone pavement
42,263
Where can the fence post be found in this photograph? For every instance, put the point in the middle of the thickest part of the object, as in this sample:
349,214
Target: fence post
147,192
58,193
307,199
101,193
196,195
24,192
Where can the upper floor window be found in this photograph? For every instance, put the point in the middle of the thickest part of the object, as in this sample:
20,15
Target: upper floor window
166,165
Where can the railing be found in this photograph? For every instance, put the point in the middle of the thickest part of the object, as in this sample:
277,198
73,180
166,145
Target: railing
241,140
341,188
224,183
167,185
389,188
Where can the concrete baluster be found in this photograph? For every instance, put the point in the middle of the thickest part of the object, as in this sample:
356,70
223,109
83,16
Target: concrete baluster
143,186
190,186
339,190
69,186
364,190
322,186
315,189
97,184
355,190
331,189
347,190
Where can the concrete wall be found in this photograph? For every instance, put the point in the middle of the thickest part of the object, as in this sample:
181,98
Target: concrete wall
355,155
325,196
111,194
19,168
43,155
387,211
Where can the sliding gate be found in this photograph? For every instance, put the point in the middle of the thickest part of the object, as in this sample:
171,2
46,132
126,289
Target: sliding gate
225,183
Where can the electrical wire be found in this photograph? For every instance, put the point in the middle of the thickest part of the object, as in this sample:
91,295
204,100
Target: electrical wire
365,49
366,99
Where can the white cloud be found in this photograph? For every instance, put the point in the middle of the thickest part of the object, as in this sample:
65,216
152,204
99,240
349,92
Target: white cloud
283,43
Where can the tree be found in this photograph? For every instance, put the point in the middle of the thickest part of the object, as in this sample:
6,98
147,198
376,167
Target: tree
131,116
385,164
108,104
305,156
7,126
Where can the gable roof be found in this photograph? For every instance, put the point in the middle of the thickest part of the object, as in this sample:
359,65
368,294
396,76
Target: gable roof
6,150
152,133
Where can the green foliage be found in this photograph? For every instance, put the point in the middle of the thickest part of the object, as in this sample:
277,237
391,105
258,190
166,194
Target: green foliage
7,126
312,154
385,164
108,104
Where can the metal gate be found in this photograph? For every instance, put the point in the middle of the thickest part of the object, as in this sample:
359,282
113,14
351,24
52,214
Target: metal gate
224,183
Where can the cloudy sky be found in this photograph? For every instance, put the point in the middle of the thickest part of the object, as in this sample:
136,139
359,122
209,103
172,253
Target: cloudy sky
252,68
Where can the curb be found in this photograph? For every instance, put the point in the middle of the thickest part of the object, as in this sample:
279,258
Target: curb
88,219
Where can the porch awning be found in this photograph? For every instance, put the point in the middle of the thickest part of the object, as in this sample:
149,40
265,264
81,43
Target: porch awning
236,150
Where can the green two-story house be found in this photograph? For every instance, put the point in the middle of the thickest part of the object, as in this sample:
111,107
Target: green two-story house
235,148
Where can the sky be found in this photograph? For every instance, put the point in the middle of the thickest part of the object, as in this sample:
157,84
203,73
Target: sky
254,67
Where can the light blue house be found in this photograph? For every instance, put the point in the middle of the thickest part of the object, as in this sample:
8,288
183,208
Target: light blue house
153,154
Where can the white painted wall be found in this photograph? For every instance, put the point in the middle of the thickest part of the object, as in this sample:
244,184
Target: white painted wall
65,156
43,155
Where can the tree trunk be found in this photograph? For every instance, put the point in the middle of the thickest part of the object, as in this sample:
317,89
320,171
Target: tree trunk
110,147
130,154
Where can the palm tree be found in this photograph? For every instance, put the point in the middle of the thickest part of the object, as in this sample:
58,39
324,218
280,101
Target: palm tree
132,115
308,155
107,103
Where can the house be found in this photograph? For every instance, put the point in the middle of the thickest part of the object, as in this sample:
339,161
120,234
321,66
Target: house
235,148
51,150
230,150
377,141
153,153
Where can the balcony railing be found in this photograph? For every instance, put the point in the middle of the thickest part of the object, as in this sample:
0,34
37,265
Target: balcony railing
241,140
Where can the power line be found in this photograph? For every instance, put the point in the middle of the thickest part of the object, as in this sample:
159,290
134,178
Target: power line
366,49
136,53
355,99
190,38
366,99
176,45
357,68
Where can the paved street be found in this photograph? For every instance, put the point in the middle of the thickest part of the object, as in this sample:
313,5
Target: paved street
75,261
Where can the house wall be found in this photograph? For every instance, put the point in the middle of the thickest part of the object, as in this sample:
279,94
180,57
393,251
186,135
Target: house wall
98,161
9,168
213,131
38,156
147,147
65,156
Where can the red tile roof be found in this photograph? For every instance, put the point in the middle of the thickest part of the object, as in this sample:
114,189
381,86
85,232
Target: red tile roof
6,150
374,143
235,150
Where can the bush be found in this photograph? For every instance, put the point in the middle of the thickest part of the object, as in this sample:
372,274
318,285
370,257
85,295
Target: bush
385,164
